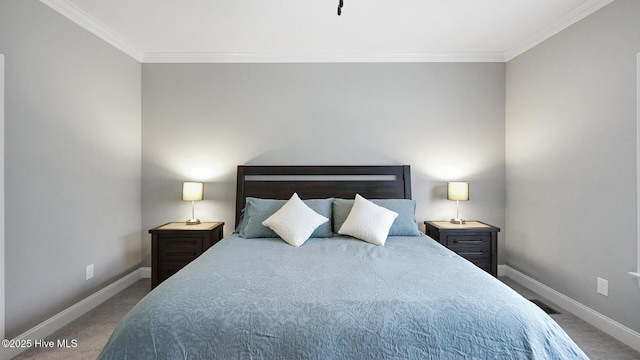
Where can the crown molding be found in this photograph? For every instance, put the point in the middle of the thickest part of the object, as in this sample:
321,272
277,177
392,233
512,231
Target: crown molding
80,17
89,23
555,27
329,57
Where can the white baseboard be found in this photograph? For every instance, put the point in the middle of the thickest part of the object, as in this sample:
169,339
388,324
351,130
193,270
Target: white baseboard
63,318
502,270
620,332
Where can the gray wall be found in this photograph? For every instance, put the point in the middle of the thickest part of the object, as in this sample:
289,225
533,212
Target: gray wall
72,147
571,161
202,120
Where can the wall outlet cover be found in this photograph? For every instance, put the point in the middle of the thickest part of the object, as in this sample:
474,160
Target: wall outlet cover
603,287
89,272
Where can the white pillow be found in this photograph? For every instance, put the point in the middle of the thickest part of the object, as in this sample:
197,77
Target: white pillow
295,221
368,221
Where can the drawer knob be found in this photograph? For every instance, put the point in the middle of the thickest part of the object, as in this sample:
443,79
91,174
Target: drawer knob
471,253
456,241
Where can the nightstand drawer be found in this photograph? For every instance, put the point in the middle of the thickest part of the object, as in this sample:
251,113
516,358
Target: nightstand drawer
179,248
166,269
474,240
473,253
174,245
469,243
484,264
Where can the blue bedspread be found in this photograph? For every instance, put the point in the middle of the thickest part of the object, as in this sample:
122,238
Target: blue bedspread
335,298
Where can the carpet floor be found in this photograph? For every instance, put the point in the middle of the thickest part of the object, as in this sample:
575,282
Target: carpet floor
93,329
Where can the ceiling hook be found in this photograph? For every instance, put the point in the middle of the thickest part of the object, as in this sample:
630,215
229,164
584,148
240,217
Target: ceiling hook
340,5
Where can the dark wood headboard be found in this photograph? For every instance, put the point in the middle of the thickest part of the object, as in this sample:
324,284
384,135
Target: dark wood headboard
318,182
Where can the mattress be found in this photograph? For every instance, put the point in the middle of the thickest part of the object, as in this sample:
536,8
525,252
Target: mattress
335,298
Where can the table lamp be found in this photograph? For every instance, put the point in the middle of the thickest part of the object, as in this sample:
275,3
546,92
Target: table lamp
458,191
192,191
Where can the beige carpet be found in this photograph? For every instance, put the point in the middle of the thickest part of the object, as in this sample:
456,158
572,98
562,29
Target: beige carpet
596,344
94,328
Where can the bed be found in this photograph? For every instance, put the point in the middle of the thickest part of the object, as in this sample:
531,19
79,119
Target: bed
335,296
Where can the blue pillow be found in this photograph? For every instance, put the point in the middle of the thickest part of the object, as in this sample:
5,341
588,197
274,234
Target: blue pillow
258,210
404,225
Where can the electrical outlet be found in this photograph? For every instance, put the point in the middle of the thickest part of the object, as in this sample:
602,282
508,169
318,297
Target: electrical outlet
603,287
89,272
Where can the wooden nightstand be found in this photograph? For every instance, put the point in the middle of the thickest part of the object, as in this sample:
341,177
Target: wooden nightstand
174,245
475,241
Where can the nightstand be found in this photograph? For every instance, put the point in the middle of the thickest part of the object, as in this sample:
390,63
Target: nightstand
175,244
475,241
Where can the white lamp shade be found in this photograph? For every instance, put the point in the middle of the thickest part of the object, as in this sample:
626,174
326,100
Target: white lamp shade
458,191
192,191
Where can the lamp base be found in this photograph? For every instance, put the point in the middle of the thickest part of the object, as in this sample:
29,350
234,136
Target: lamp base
457,221
193,222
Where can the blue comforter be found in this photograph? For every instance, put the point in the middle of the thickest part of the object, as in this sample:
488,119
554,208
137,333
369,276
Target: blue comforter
335,298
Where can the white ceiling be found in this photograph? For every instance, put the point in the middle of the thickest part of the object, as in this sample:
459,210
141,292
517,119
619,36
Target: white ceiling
311,30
